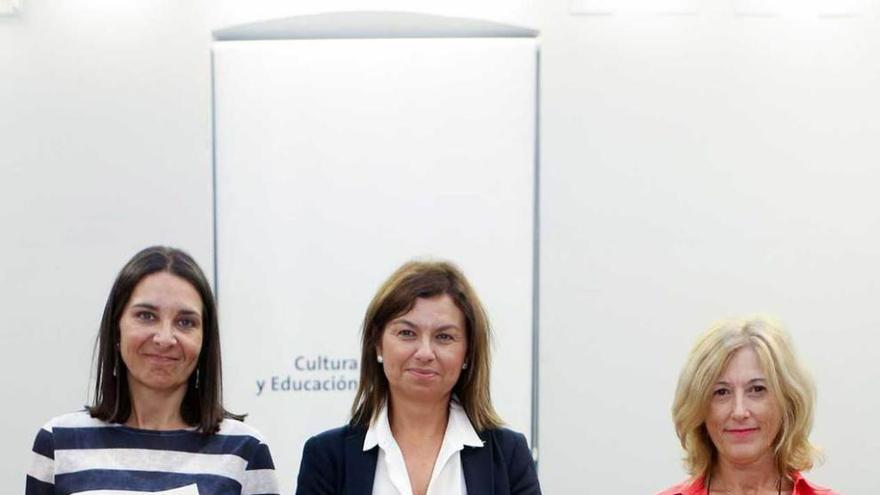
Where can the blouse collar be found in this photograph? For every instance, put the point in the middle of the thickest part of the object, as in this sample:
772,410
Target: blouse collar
460,432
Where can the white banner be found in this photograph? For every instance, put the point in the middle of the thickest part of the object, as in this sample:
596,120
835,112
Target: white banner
337,161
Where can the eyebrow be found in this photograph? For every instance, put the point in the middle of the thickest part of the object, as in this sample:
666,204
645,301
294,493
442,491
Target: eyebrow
146,306
753,380
153,307
442,327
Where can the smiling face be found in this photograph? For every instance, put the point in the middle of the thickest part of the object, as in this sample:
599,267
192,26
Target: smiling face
161,334
744,416
424,350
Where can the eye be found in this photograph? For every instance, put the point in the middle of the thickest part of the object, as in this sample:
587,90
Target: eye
721,392
405,332
757,389
145,316
445,337
187,323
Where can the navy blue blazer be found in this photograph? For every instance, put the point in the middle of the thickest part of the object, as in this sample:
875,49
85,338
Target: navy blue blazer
334,463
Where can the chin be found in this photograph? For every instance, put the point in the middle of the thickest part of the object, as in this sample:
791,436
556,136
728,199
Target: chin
745,455
424,392
164,384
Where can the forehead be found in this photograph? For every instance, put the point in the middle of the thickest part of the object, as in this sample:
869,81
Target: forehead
436,310
166,289
743,365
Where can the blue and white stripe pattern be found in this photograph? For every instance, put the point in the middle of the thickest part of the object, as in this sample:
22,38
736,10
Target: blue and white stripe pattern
76,453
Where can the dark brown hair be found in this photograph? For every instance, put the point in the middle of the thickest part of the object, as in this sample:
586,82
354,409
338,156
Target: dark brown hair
202,406
426,279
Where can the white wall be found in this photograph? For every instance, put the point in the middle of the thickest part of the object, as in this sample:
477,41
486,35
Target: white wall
693,168
104,149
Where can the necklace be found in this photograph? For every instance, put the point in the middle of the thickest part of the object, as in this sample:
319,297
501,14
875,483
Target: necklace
778,486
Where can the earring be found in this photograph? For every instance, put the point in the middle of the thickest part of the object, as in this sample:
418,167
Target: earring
197,378
464,365
379,359
116,360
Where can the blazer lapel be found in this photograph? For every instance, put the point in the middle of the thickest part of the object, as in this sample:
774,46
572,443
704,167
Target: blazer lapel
476,462
360,466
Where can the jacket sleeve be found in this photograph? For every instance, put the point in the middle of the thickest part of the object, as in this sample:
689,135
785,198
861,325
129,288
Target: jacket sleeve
318,470
521,468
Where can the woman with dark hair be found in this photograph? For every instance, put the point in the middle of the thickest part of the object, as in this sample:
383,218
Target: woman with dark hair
157,423
422,420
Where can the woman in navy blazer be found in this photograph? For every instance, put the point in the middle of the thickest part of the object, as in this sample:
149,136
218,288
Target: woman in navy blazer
422,420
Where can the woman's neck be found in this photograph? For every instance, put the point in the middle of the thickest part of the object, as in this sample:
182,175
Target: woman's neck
412,418
757,477
156,410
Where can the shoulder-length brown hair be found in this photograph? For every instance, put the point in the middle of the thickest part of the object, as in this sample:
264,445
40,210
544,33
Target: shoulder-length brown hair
425,279
787,380
202,406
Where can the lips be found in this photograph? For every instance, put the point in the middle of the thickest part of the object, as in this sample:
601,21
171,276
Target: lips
740,432
158,358
423,372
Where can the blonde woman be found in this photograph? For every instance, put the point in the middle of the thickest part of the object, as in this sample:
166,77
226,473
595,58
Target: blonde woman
422,420
743,411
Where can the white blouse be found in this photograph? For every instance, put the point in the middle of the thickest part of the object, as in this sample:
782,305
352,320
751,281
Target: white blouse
447,477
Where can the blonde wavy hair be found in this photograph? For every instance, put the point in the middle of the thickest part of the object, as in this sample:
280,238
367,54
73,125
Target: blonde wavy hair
787,379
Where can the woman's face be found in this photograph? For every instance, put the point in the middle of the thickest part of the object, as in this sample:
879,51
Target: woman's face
744,416
424,350
161,333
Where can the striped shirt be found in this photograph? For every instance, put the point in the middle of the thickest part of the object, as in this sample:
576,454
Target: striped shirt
76,453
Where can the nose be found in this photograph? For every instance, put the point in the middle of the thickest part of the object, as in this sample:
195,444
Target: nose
740,408
164,335
425,351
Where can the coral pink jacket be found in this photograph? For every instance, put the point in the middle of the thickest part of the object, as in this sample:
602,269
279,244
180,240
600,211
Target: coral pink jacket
696,487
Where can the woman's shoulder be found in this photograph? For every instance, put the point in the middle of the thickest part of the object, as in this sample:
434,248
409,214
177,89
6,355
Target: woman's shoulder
503,433
505,437
78,419
234,427
805,487
512,444
336,436
327,449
